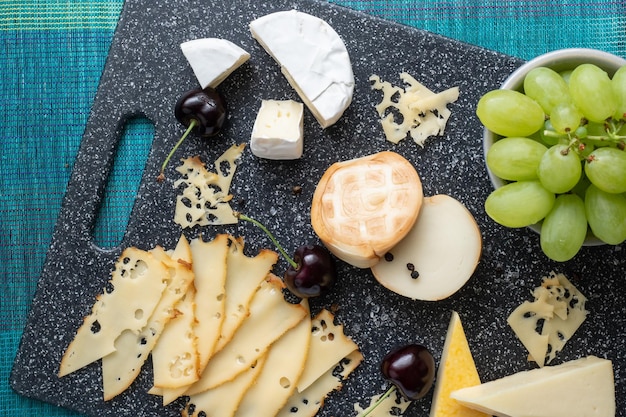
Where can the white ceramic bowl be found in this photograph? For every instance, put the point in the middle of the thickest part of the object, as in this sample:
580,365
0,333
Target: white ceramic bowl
559,60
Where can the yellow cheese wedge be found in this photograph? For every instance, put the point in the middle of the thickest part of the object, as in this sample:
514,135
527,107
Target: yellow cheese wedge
120,368
119,308
328,346
224,399
456,370
270,317
283,366
363,207
309,402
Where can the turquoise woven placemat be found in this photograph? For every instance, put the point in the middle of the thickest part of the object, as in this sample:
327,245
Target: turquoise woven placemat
53,53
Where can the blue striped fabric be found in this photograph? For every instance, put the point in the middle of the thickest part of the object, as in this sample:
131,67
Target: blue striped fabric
53,53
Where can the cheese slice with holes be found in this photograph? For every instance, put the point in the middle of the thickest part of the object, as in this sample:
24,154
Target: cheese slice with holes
311,400
414,110
118,309
120,368
456,370
244,274
580,388
205,196
392,405
283,366
313,58
329,345
270,317
213,59
224,399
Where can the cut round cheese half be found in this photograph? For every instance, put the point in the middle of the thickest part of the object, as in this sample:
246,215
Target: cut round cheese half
438,256
312,57
213,59
363,207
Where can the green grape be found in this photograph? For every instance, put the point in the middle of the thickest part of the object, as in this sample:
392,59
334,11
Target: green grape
546,87
581,132
548,135
510,113
519,204
606,169
591,90
581,187
515,159
560,169
619,89
564,229
566,74
606,214
565,117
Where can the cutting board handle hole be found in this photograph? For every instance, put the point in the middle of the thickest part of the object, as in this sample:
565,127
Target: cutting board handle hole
123,182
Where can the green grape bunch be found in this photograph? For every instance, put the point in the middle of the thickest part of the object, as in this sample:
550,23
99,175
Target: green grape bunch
562,156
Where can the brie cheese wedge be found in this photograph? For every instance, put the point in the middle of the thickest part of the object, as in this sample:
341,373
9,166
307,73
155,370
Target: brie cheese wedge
213,59
312,57
278,130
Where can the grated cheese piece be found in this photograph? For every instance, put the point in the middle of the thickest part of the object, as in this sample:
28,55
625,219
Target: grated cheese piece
118,308
414,110
120,368
205,197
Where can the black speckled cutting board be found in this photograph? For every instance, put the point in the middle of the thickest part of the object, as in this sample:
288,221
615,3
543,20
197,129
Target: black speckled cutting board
144,75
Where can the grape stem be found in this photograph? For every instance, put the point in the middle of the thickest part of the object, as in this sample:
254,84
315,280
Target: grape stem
270,235
382,398
191,126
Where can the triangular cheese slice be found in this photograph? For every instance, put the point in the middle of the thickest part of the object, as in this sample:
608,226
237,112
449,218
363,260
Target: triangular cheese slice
120,368
579,388
127,303
456,370
270,317
213,59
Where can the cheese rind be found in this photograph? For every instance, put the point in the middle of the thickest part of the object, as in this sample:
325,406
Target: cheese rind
213,59
278,130
312,57
580,388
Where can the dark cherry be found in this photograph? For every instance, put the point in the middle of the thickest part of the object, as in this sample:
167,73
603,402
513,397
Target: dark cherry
314,273
411,368
202,111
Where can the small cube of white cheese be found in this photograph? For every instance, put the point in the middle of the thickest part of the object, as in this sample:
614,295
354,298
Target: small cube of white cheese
278,130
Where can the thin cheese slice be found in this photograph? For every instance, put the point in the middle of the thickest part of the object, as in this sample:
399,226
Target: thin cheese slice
457,370
392,405
175,357
309,402
206,195
134,291
120,368
329,345
283,367
270,317
213,59
244,274
224,400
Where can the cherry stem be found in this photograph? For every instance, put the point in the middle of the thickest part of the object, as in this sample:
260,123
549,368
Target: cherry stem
192,124
270,235
382,398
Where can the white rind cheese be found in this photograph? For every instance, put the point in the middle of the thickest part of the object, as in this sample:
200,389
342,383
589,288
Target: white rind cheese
313,58
213,59
278,130
581,388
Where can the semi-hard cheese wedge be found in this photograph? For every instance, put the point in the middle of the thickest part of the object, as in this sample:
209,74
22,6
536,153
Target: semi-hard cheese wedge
329,344
437,256
456,370
313,58
363,207
270,317
224,399
580,388
278,130
309,402
284,363
120,368
135,288
213,59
